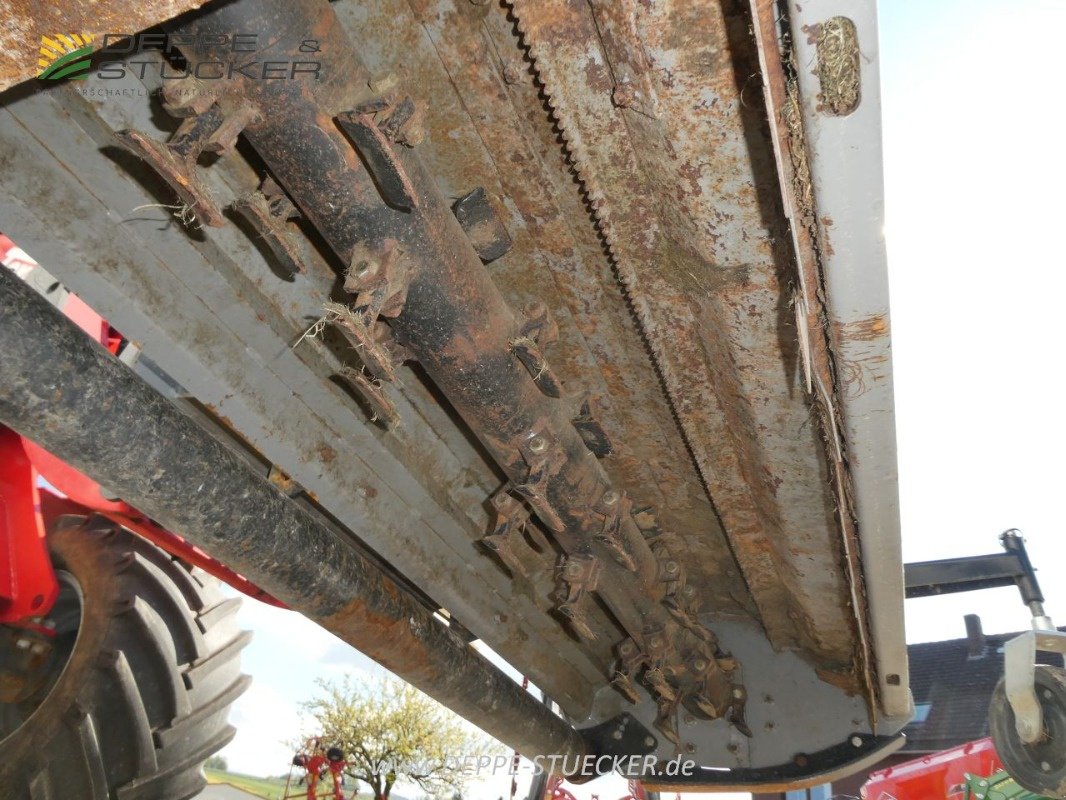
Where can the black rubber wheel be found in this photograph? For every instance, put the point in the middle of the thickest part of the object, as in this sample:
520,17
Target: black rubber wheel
335,754
140,697
1039,767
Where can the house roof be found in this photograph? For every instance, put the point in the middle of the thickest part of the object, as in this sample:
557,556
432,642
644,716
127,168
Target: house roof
952,689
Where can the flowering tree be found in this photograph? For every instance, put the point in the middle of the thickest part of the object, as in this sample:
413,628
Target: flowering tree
390,731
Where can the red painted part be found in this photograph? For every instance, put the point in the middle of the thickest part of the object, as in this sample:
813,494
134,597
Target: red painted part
555,790
73,484
78,312
11,255
336,769
314,769
939,775
314,763
23,581
86,492
176,546
28,585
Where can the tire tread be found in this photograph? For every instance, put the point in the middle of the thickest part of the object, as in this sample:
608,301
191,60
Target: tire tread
169,632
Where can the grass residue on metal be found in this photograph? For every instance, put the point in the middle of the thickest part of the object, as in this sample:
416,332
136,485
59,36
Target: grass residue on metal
802,186
838,65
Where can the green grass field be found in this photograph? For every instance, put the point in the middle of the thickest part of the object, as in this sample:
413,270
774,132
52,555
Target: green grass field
267,788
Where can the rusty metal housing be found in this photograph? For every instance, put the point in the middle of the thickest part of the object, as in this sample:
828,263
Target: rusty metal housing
540,304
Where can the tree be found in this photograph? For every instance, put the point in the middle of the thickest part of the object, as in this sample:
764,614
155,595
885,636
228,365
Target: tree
216,762
390,731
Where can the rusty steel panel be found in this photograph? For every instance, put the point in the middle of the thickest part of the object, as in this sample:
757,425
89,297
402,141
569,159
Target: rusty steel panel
590,224
486,127
786,131
109,423
358,477
358,179
678,171
26,21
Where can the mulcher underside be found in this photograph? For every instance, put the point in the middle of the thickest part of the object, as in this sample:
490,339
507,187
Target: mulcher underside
592,411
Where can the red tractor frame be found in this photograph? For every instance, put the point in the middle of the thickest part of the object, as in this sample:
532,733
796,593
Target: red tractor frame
35,486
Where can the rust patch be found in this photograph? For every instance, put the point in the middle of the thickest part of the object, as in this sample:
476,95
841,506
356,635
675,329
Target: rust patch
686,219
26,21
864,330
399,650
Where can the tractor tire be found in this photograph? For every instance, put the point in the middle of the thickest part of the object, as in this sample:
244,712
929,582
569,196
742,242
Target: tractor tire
1039,767
141,695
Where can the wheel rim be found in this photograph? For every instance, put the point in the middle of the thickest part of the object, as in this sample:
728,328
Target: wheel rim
1039,767
1048,755
66,617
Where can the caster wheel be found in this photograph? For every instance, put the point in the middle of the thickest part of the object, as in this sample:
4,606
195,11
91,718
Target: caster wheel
1039,767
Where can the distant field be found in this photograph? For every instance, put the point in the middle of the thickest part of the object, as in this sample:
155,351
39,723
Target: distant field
267,788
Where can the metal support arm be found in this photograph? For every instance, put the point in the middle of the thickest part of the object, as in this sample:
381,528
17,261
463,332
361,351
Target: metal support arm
72,397
970,573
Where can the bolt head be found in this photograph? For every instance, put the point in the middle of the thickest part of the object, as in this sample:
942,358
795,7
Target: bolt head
22,644
624,95
700,664
656,641
538,444
616,735
738,693
1046,767
649,741
626,648
671,567
856,741
511,74
610,497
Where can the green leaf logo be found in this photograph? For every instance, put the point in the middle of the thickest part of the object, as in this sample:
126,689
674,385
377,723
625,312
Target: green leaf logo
65,55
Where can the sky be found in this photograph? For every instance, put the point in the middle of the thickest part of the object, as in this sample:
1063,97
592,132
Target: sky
972,122
972,130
